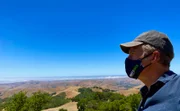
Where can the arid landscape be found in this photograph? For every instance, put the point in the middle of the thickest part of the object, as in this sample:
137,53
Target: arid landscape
124,86
71,106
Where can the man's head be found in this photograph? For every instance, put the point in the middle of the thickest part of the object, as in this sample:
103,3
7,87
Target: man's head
149,51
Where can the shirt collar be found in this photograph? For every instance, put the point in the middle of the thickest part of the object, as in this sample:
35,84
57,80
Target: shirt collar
167,76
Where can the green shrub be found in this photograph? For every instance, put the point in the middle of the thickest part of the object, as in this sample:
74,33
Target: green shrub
105,101
62,109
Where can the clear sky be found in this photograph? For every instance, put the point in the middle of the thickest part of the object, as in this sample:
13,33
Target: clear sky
40,38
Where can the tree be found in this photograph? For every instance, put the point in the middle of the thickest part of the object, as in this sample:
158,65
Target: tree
16,102
106,101
62,109
57,100
38,100
134,101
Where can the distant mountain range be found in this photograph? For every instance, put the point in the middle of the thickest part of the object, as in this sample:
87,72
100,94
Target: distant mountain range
25,79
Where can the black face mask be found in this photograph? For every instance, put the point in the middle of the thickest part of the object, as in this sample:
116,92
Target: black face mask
134,67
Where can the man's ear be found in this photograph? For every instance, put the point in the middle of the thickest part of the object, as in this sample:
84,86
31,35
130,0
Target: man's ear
156,56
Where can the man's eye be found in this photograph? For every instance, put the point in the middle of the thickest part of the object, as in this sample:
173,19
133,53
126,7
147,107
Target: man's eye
132,53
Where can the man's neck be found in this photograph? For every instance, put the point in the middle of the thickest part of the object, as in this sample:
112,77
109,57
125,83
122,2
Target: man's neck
151,76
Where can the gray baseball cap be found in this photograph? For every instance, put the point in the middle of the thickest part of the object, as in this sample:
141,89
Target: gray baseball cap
155,38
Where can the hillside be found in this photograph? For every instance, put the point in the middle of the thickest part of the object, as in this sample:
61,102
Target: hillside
71,106
65,93
70,87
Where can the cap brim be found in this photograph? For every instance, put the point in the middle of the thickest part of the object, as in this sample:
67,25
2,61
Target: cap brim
126,46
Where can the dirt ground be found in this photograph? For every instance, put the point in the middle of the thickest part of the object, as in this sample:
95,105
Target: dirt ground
71,106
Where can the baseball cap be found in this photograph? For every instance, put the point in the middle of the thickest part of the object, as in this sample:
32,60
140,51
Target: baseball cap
155,38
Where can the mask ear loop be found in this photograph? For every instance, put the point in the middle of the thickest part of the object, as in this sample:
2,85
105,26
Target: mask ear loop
144,58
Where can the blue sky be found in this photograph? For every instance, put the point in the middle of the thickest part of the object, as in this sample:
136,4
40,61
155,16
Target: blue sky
40,38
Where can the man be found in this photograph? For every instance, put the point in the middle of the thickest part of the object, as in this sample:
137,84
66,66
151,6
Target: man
149,58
